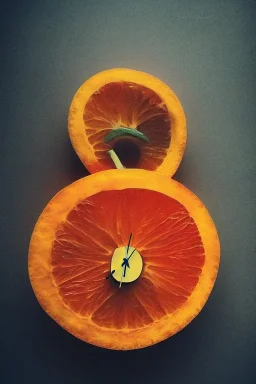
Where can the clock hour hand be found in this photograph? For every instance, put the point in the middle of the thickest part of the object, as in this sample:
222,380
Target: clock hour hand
125,264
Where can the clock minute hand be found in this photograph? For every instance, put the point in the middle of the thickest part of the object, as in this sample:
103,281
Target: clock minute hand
131,255
125,259
128,246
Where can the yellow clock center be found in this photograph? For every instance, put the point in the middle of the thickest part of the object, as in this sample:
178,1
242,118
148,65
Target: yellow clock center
126,267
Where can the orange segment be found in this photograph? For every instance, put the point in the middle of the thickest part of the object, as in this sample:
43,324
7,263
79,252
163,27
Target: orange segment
77,234
135,100
122,311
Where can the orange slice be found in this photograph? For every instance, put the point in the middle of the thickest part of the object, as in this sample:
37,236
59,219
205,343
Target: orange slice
133,113
77,234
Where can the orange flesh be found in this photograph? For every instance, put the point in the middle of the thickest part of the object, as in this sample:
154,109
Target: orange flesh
135,99
165,235
130,105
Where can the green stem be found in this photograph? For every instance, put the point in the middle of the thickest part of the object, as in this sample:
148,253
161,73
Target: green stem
115,159
125,132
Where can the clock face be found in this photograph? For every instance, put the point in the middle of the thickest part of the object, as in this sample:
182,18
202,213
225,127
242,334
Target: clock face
126,264
124,259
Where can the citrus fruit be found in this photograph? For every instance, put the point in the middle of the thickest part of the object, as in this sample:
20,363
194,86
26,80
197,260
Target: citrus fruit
132,113
83,231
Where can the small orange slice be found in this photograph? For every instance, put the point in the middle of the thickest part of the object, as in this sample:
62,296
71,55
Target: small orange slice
80,229
133,113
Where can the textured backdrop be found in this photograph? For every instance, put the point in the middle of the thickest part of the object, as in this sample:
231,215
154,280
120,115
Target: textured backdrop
205,50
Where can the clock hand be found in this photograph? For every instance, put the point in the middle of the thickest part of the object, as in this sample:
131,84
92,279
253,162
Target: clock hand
131,255
111,273
125,262
125,259
128,246
125,269
124,265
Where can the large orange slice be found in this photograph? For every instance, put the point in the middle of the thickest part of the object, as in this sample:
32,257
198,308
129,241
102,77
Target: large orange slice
77,234
133,113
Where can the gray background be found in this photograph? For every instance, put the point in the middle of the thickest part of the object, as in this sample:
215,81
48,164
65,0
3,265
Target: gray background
205,50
